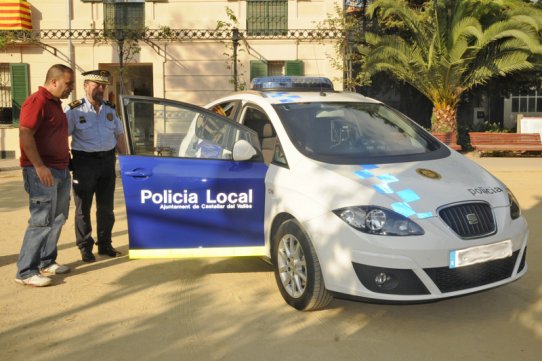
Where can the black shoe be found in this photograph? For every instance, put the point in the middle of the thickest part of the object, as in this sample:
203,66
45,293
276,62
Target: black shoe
87,256
108,250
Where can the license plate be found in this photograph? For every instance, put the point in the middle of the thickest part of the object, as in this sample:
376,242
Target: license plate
479,254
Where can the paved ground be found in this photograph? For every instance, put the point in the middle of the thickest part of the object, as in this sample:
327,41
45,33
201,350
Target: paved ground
230,309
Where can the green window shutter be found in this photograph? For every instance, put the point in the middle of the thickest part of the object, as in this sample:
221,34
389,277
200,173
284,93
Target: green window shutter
20,89
294,67
257,69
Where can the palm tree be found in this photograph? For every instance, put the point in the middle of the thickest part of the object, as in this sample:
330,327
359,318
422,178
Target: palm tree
443,49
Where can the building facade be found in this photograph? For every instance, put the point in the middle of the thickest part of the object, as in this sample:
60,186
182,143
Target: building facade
177,49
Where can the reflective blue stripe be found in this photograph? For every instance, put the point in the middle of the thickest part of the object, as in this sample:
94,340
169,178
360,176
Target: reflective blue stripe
383,185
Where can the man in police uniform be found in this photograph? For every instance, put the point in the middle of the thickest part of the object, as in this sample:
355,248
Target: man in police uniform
96,132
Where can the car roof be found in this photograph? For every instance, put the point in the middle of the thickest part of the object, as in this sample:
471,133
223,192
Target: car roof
282,97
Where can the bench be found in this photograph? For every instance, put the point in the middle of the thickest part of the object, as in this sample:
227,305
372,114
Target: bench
450,139
511,142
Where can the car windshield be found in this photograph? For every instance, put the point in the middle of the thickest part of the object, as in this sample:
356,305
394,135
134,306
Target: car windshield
353,133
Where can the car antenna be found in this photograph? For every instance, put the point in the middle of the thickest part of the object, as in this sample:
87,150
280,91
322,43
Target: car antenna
322,92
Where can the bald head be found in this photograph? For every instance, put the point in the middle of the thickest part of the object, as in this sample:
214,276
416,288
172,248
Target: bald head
59,80
56,72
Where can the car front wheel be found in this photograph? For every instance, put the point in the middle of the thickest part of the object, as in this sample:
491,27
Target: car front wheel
297,269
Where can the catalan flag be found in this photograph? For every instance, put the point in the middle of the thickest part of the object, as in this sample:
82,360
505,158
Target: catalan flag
15,15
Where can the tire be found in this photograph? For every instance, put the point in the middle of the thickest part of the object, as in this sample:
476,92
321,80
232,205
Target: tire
297,269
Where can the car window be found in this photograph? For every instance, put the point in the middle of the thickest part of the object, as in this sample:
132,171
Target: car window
279,158
258,121
354,133
226,109
172,129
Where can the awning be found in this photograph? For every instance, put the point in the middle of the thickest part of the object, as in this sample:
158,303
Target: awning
15,15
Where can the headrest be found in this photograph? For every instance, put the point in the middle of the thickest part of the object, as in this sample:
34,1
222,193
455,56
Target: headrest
268,131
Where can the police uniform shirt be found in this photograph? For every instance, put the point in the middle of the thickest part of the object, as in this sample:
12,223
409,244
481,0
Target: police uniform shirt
91,131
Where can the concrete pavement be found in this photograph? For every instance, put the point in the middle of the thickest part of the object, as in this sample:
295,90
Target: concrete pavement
231,309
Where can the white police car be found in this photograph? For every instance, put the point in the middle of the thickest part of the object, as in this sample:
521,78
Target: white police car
345,195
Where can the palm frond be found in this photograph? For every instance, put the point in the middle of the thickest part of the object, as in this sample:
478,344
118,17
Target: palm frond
453,50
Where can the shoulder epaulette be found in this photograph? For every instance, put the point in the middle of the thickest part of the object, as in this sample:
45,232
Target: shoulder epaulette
109,104
76,103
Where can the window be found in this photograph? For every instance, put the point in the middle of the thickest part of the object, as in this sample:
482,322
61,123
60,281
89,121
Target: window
228,109
267,17
5,94
124,14
258,121
279,158
178,130
527,102
14,89
354,132
271,68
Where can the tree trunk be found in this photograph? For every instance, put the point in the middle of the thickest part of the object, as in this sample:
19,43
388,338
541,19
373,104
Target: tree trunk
444,119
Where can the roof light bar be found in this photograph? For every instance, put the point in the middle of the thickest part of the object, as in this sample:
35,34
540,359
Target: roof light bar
303,83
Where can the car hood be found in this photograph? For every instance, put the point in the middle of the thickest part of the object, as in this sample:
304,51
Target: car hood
414,189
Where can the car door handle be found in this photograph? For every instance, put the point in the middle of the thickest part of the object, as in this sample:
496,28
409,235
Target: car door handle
138,173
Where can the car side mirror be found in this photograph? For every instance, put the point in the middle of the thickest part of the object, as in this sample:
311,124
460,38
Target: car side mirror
243,150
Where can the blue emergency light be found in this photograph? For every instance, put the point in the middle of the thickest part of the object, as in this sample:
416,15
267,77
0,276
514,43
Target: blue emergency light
299,83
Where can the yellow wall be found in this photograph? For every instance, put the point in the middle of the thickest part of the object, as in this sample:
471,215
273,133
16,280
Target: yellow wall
194,71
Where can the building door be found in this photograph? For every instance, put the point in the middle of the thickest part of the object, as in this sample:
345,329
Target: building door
135,79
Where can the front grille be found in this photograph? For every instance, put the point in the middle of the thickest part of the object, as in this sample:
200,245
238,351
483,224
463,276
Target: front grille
456,279
469,220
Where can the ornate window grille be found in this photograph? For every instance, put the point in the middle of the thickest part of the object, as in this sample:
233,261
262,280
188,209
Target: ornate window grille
266,17
124,14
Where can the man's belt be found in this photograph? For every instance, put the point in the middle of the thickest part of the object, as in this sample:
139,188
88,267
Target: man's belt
102,154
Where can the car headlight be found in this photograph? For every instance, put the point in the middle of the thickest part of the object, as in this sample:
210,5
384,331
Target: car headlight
379,221
515,211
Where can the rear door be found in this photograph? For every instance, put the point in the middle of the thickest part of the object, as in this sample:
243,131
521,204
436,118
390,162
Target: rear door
185,195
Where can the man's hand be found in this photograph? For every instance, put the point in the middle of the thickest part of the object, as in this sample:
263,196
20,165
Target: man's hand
121,144
26,135
45,175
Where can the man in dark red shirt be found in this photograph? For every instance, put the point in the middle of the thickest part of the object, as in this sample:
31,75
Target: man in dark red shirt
43,136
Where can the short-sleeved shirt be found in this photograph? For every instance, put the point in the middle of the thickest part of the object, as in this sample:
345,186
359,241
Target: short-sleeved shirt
43,113
91,131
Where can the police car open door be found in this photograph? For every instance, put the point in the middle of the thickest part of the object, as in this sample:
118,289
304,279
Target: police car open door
193,182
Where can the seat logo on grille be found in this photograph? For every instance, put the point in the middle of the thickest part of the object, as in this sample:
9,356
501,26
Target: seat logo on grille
472,218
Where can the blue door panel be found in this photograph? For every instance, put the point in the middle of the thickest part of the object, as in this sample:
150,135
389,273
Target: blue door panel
175,203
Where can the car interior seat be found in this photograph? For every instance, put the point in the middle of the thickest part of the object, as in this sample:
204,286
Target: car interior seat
268,142
258,121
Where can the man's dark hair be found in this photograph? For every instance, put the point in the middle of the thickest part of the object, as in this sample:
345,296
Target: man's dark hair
56,72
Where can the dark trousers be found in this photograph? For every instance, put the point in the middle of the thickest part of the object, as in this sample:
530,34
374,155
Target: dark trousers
93,175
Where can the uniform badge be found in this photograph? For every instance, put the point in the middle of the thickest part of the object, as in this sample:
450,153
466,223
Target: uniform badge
109,116
82,120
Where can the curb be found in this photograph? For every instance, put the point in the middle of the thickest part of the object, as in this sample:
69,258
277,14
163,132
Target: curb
7,165
4,170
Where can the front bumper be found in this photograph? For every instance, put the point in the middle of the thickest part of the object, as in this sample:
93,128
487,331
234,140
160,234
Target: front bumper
355,264
406,282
